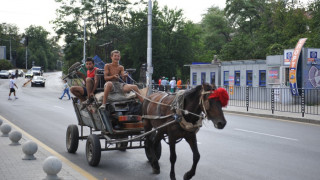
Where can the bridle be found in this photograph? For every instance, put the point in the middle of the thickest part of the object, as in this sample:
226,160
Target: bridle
205,103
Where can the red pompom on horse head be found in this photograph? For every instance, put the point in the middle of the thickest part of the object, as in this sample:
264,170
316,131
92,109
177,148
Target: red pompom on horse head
221,95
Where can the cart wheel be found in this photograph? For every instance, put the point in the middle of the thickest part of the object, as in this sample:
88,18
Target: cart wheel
147,148
72,138
93,150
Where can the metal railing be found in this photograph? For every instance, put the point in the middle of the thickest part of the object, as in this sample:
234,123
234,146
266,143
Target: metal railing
273,99
276,99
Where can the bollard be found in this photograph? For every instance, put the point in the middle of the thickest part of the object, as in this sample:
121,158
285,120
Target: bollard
5,129
15,137
29,148
52,166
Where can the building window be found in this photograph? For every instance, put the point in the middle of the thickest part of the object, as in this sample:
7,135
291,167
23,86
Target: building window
262,78
213,78
249,77
203,77
226,78
194,79
237,78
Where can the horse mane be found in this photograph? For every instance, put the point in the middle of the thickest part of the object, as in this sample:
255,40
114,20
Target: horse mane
191,103
193,91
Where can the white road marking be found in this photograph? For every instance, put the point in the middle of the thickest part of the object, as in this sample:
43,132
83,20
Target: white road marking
58,107
243,130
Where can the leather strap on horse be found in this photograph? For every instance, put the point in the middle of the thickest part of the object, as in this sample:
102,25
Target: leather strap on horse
178,103
156,117
189,126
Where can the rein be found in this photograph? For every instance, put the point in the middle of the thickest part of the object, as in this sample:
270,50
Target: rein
183,123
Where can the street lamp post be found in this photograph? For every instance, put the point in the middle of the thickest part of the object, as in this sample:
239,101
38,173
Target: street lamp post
149,49
84,40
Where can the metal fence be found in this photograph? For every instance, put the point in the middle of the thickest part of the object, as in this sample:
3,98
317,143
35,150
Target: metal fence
276,99
273,99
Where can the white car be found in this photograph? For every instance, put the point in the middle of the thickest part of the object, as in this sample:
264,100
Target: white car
38,80
29,74
5,74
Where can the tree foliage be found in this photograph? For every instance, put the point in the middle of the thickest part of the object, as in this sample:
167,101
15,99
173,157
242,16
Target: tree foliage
244,29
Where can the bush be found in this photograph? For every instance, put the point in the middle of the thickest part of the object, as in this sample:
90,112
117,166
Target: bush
5,64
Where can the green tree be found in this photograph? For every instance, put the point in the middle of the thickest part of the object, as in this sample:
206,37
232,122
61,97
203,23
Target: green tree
41,50
5,64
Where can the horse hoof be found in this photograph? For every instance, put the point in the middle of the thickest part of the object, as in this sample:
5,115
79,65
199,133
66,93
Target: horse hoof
172,178
187,176
156,171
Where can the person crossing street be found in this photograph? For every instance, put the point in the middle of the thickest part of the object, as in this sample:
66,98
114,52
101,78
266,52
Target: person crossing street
12,84
66,90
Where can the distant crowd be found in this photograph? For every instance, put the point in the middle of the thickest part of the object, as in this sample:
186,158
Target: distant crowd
165,85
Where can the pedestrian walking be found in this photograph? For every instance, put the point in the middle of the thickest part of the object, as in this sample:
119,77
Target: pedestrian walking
188,84
172,84
179,84
65,90
17,73
12,84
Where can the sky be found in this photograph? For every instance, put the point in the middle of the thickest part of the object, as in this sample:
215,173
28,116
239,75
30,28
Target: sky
24,13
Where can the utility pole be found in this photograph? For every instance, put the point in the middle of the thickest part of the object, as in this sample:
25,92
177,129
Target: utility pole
26,57
149,50
84,40
10,51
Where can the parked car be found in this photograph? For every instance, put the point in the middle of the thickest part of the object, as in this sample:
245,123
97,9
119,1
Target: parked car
13,72
38,80
29,74
5,74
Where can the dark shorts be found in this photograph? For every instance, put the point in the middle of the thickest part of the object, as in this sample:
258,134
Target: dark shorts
12,90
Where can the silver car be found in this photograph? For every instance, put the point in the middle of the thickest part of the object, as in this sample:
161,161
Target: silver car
5,74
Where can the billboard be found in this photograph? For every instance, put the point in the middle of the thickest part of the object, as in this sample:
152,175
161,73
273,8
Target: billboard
3,52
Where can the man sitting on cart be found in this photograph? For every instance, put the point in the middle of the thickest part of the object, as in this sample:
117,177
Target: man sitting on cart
91,80
112,73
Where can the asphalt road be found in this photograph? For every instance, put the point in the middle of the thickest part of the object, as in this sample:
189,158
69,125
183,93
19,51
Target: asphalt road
249,148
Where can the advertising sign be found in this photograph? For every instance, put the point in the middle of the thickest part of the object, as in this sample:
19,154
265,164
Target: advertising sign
231,84
3,52
313,56
287,57
294,65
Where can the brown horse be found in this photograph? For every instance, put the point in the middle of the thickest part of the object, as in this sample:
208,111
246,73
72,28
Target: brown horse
194,101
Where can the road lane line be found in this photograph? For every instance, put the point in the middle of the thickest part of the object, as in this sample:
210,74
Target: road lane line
53,152
282,137
58,107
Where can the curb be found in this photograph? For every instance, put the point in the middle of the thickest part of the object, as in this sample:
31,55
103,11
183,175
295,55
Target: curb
295,119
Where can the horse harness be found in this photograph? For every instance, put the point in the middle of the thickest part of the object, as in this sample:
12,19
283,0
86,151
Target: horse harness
177,106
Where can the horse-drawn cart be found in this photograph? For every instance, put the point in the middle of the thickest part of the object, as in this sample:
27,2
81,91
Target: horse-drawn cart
119,125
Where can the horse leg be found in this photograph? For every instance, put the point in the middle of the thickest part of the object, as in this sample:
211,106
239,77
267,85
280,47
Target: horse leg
192,140
173,157
154,162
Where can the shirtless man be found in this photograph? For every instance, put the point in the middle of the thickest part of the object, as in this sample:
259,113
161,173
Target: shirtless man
91,84
112,74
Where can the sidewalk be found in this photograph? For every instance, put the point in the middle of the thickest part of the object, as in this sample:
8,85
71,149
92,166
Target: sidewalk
308,118
12,167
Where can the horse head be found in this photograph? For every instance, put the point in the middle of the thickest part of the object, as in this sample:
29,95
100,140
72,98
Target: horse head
212,100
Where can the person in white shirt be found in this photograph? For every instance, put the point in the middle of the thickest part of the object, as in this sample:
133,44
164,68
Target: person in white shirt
172,84
12,84
65,90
